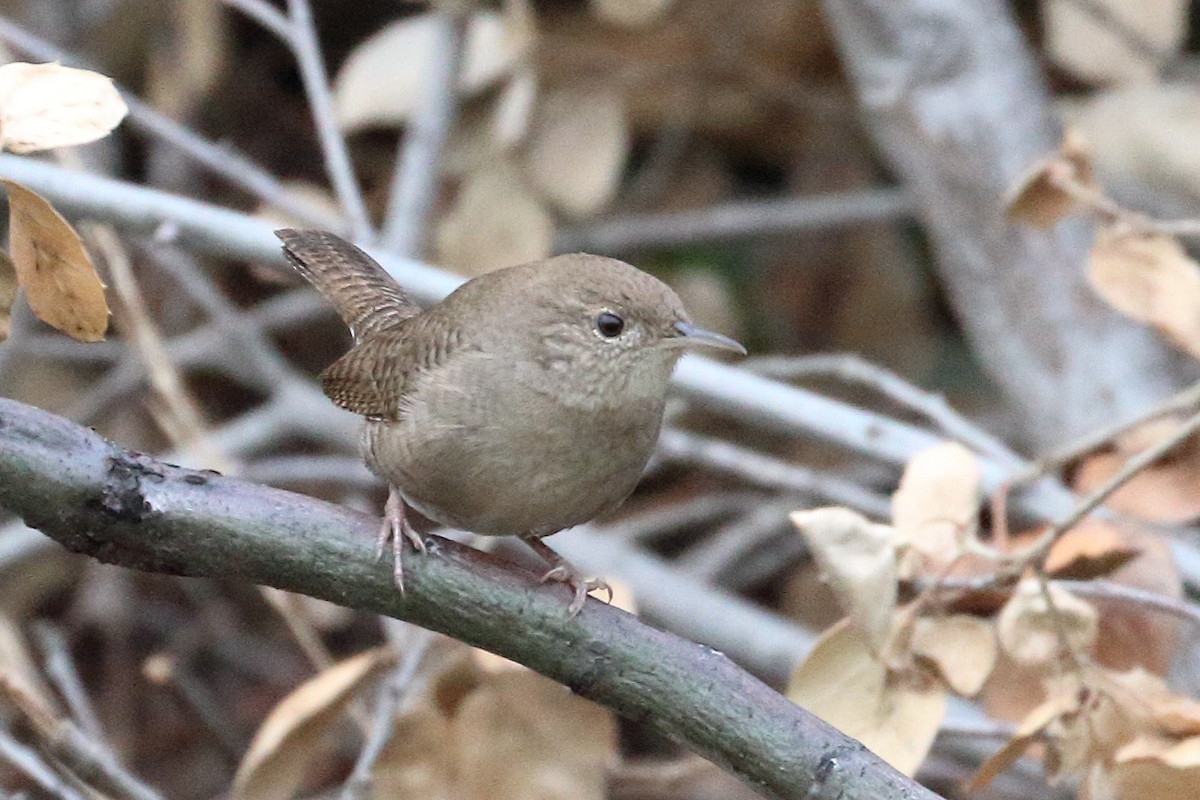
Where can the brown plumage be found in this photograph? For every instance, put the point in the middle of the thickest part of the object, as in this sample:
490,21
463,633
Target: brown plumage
526,402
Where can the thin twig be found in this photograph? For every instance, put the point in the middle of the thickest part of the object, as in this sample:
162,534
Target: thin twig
763,470
736,220
392,695
1187,399
60,667
415,179
74,749
307,50
856,369
1110,590
27,761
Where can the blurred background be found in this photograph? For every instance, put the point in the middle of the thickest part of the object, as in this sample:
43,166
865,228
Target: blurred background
811,177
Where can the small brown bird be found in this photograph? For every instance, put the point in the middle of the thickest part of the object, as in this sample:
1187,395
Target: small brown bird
525,403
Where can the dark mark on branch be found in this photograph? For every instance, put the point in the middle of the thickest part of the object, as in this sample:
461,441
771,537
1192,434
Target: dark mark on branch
122,497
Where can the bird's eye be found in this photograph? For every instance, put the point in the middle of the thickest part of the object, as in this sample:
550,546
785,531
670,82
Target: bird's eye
609,324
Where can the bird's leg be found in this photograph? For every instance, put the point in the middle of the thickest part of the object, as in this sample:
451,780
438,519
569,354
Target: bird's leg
396,528
564,571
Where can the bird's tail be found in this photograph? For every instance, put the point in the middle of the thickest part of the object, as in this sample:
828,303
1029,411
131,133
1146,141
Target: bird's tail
364,294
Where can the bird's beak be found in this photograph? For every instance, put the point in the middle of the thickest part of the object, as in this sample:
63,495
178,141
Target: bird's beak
706,338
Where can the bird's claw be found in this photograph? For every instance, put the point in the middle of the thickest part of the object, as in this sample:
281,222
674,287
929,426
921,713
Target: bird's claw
395,528
582,586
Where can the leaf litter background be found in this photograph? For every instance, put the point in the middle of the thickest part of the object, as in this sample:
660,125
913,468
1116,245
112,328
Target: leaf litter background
1073,645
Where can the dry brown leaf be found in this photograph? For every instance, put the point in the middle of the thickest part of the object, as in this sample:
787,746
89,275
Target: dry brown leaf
52,267
43,106
1150,278
273,766
495,222
418,761
937,501
1168,491
1063,698
1035,199
523,736
381,81
1150,768
858,562
1029,632
963,648
843,684
629,13
1084,42
577,149
8,293
1093,549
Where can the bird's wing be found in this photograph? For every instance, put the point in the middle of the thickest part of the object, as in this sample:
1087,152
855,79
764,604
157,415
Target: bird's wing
365,296
376,376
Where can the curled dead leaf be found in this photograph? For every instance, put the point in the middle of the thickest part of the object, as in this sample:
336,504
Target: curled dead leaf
858,562
43,106
495,222
577,149
937,501
273,766
1092,549
1149,278
961,646
1156,769
60,283
841,682
1036,198
1030,631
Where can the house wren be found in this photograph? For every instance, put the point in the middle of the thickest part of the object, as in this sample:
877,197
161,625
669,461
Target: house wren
526,402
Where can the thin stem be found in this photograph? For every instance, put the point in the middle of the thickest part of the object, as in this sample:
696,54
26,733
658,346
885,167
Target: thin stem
27,761
392,695
415,179
60,667
307,50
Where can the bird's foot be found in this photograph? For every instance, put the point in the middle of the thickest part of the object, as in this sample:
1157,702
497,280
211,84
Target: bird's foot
395,528
564,571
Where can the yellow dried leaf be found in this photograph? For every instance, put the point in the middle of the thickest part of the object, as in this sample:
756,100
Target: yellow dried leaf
381,81
1150,278
48,105
523,736
1029,632
858,562
937,501
963,648
1035,199
418,761
8,293
273,767
52,267
496,221
843,684
577,149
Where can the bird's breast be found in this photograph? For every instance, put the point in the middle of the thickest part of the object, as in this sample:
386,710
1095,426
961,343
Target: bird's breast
493,456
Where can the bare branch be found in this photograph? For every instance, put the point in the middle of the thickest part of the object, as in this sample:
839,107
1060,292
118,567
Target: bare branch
415,180
307,50
128,509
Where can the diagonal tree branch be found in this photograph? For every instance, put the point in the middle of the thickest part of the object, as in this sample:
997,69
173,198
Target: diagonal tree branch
126,508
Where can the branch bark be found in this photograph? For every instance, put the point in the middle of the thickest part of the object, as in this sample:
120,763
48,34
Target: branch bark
126,508
954,98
